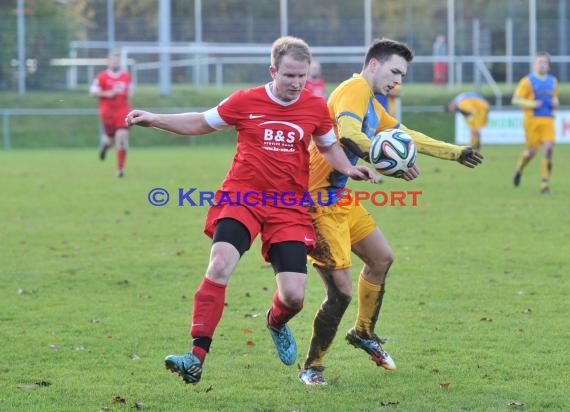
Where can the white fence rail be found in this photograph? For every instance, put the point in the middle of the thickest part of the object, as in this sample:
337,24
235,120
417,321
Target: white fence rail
7,115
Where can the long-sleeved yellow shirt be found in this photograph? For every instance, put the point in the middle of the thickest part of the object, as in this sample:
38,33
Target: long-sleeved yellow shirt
358,117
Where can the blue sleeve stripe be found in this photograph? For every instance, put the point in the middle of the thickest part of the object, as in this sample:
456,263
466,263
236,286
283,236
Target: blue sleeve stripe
348,114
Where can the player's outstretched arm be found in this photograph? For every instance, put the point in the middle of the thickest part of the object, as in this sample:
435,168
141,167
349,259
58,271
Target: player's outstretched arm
467,156
190,123
470,157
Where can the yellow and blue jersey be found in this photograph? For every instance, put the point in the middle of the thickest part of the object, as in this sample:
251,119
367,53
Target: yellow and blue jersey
358,116
545,89
474,107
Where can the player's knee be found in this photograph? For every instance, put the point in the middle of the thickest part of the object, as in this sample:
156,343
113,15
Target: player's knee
293,298
220,267
338,303
383,261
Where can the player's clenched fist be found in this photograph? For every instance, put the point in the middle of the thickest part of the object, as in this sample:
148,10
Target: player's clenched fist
140,118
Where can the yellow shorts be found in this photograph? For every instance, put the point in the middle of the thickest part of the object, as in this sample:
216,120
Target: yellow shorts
337,228
478,120
538,130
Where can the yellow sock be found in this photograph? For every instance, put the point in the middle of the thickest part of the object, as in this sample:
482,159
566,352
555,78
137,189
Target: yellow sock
545,170
369,303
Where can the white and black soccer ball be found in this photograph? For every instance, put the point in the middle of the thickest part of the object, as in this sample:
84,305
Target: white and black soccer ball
392,152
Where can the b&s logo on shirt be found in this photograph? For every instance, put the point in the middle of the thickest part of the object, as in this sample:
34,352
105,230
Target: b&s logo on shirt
281,136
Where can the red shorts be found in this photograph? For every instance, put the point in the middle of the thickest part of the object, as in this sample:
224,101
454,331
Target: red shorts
275,223
113,121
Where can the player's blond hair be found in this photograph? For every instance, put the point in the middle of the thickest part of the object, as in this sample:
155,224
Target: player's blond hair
543,54
295,47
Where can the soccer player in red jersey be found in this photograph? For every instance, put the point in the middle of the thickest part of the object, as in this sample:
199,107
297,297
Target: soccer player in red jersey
275,123
113,87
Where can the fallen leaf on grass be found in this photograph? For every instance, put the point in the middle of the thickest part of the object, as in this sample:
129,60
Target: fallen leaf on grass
250,343
389,403
209,388
138,405
527,311
135,357
516,404
35,386
119,399
444,385
247,331
26,292
27,388
486,319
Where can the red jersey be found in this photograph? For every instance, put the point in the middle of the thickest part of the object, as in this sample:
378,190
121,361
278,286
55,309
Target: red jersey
317,86
120,81
273,138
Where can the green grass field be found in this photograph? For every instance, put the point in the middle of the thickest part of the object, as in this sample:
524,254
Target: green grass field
97,288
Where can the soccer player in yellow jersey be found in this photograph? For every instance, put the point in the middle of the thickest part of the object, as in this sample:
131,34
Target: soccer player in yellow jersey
340,230
475,110
537,95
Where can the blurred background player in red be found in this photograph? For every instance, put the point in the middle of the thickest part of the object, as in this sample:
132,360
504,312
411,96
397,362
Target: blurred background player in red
113,87
439,51
315,82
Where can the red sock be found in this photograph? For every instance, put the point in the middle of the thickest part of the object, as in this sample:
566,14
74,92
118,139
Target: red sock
121,157
200,353
209,302
279,313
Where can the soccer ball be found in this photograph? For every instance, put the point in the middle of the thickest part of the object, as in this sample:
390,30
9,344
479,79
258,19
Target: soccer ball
392,152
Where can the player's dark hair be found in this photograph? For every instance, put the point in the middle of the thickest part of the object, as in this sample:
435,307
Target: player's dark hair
295,47
383,49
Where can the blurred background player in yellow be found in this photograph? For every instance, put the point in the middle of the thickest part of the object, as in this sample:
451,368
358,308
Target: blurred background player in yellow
315,82
391,102
537,95
345,229
475,111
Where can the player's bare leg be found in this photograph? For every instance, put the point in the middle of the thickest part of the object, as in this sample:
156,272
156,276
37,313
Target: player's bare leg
525,158
546,167
338,284
122,138
105,144
377,257
476,140
208,308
